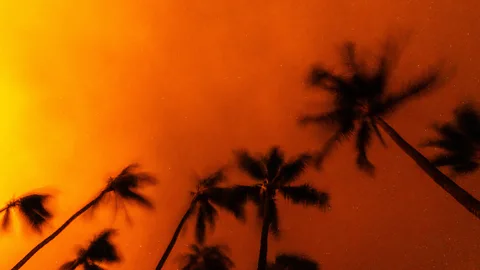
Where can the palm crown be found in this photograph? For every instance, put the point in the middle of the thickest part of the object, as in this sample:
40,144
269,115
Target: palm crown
459,140
273,174
361,98
207,258
32,210
100,250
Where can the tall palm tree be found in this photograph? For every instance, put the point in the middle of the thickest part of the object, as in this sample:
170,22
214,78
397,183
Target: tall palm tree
273,174
32,210
362,102
207,194
293,262
459,140
101,250
124,187
204,257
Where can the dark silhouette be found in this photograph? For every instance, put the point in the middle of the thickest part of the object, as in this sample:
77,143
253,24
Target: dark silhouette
362,102
100,251
293,262
204,257
207,193
124,187
459,140
31,209
273,174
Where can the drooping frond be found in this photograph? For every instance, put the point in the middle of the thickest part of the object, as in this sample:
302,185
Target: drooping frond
207,258
250,165
306,195
291,170
273,218
377,131
273,161
32,209
6,220
200,226
92,266
328,119
68,265
101,249
467,119
229,200
364,139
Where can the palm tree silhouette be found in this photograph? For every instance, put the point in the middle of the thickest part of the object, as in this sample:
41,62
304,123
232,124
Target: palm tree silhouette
124,187
207,193
293,262
362,102
31,209
459,140
273,174
204,257
100,250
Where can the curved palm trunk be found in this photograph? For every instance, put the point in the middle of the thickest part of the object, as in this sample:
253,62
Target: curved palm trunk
262,258
175,236
463,197
58,231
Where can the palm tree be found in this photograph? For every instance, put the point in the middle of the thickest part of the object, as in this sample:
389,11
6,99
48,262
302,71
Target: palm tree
459,140
32,210
206,194
293,262
362,102
273,174
100,250
124,187
204,257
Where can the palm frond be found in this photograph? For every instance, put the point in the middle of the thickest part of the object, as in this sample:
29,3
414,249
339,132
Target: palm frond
273,161
273,218
467,119
200,226
101,249
33,210
328,119
250,165
291,170
92,266
306,195
206,258
421,86
213,180
364,139
68,265
229,200
127,184
294,262
377,131
7,219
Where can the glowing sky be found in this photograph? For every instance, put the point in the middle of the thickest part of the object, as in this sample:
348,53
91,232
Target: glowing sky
86,88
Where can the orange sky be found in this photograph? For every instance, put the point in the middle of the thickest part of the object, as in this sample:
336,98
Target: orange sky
87,88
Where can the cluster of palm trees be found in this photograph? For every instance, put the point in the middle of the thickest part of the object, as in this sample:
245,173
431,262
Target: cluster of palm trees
361,103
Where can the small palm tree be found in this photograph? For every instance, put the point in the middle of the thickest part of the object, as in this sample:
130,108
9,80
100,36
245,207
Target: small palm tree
124,187
100,251
362,102
459,140
293,262
207,194
273,174
204,257
32,210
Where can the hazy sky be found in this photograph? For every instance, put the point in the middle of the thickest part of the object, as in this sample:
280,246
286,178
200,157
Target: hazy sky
87,88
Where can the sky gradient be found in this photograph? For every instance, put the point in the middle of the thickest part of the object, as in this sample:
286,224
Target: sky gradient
87,88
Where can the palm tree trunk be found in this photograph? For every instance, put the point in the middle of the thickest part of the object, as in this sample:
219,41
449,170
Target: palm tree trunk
463,197
58,231
262,258
175,236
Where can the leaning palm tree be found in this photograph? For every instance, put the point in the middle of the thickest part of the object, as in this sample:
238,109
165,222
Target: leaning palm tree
360,106
273,174
204,257
31,209
459,140
293,262
100,251
207,194
124,187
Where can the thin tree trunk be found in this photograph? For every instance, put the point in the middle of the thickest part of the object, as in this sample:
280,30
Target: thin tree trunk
262,258
58,231
458,193
175,236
